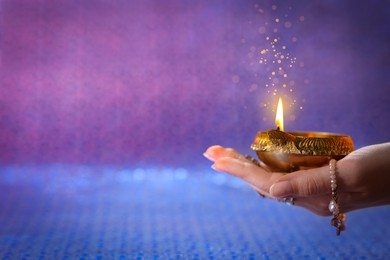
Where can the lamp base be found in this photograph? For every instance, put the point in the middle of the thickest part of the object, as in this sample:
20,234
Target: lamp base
291,151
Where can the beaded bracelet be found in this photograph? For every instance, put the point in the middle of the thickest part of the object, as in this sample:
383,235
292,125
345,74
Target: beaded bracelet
338,218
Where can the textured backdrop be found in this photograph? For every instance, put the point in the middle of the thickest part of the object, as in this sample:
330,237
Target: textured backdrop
156,82
106,107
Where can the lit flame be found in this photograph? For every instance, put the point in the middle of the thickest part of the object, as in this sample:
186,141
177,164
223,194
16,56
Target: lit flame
279,115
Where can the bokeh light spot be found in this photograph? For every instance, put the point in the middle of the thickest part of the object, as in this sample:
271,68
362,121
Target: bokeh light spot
236,79
262,29
253,87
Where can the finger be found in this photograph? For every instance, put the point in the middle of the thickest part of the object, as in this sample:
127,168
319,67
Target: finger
302,183
215,152
249,172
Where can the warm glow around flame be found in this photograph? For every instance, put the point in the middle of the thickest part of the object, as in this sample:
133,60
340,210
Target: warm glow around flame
279,115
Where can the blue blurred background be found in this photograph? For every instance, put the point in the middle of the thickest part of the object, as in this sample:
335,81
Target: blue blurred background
107,106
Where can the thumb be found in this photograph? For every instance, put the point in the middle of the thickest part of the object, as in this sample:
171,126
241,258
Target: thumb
302,183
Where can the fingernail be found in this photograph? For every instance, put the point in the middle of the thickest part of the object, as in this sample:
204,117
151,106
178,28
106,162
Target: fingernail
215,168
206,155
281,189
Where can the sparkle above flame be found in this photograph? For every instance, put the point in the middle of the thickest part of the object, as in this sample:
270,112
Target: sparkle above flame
279,115
275,55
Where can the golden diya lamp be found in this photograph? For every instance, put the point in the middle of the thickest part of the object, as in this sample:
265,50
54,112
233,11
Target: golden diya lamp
291,151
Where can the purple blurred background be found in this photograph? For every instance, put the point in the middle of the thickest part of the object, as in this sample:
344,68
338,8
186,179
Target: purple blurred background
157,82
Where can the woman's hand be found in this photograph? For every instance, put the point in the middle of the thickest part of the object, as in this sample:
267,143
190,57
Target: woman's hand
363,179
230,161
